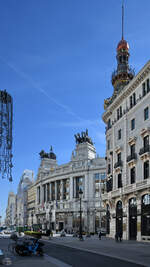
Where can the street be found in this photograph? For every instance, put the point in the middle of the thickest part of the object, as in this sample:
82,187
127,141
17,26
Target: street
59,255
77,258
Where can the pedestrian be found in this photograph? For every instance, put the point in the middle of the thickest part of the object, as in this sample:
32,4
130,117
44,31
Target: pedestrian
116,237
120,236
100,234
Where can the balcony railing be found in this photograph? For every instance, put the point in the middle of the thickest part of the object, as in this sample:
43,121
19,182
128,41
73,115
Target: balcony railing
144,150
132,157
118,164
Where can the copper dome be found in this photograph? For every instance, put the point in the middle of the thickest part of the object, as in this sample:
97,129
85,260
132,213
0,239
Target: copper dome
123,45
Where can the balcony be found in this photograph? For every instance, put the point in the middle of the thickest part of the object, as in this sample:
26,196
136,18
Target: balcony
131,159
145,152
118,165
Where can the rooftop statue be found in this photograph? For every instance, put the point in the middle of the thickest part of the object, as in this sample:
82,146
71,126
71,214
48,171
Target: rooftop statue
83,138
50,155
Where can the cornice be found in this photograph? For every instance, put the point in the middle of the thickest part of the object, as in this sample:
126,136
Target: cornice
75,172
127,90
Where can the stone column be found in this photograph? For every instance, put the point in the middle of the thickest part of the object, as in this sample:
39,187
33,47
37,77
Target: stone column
71,188
50,191
46,192
55,190
41,194
61,189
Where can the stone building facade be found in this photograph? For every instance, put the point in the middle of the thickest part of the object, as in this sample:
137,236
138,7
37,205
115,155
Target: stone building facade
31,199
21,198
57,189
127,118
10,219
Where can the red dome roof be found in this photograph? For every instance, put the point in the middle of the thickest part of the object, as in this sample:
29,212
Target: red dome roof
123,45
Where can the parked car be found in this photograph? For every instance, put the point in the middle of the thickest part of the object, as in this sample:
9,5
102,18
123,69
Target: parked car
4,235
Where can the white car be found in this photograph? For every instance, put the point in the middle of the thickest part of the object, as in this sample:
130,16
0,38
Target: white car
4,235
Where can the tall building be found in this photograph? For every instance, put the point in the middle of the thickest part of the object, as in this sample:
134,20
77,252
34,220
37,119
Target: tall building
21,198
10,219
57,189
127,118
31,200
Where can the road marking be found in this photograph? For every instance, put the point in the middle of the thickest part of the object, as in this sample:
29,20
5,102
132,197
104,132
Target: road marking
56,261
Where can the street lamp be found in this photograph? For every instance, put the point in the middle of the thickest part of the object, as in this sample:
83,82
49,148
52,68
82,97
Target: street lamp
50,219
32,220
80,229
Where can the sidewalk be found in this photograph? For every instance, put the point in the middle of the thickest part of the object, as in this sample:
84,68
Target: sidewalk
15,260
132,251
30,261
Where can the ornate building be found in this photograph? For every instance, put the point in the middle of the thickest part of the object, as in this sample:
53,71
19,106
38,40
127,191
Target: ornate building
10,220
21,198
57,189
127,196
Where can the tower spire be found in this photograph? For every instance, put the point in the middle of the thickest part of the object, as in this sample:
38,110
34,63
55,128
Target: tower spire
124,73
122,20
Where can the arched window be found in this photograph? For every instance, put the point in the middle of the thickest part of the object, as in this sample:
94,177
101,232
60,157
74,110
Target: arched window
107,219
119,218
145,215
132,219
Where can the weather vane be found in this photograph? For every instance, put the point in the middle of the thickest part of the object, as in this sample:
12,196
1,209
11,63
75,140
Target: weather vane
6,118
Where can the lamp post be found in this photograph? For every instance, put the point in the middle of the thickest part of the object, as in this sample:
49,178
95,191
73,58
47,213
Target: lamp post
80,229
32,220
50,219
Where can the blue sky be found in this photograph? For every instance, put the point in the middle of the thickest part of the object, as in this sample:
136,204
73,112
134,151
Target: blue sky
56,60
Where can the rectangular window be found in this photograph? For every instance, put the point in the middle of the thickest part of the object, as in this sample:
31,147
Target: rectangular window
44,192
148,89
58,189
132,175
120,111
109,185
38,195
131,104
79,185
53,190
146,169
119,157
132,124
146,141
109,124
119,134
119,180
143,89
134,99
97,185
48,197
146,113
132,149
64,188
108,144
118,114
109,168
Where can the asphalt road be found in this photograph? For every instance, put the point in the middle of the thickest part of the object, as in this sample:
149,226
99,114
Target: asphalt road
78,258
